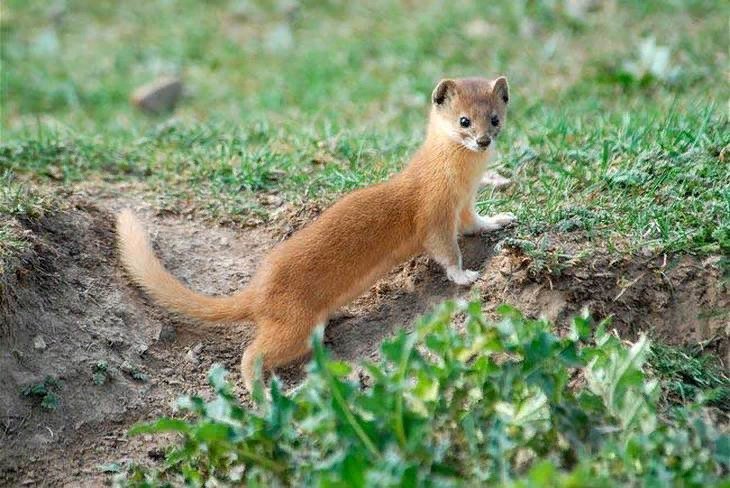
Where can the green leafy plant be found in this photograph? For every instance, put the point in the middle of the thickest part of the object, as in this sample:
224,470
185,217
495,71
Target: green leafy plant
139,375
505,403
45,392
135,372
100,372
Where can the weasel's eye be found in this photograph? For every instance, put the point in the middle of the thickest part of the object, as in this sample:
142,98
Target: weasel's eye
464,122
495,120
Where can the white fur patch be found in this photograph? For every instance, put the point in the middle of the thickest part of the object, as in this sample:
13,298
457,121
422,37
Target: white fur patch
495,222
461,276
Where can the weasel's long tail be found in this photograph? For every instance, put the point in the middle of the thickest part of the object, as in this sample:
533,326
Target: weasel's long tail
148,272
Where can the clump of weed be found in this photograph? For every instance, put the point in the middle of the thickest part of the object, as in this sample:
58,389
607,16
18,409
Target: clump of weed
17,202
544,258
135,372
498,403
687,376
44,392
100,372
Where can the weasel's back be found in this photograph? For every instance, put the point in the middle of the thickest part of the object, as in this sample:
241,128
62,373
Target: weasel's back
342,252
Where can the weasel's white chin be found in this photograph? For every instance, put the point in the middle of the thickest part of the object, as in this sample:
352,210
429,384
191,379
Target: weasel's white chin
470,145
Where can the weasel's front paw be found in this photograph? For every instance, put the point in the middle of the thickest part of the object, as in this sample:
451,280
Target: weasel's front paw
462,276
497,221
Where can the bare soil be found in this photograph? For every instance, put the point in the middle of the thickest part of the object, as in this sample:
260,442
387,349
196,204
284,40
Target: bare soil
72,293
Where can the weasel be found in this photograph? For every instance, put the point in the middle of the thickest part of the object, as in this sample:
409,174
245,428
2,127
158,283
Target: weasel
357,240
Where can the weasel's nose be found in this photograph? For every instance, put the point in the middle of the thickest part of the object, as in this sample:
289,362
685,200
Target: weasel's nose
484,141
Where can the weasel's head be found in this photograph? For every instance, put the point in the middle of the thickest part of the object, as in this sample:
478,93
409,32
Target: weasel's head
470,111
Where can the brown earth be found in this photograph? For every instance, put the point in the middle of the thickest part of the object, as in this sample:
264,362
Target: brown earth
71,292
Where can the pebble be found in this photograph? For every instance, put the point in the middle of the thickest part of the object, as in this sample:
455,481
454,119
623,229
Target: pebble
192,355
127,367
39,343
166,333
140,349
158,96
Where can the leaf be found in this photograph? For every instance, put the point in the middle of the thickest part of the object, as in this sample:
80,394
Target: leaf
339,368
213,432
353,469
580,328
139,376
99,378
543,474
508,311
50,401
217,377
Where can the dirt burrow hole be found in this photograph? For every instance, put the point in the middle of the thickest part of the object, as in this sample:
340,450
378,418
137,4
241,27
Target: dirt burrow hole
66,308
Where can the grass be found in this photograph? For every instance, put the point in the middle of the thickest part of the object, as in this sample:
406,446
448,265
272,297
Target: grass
686,375
625,142
18,202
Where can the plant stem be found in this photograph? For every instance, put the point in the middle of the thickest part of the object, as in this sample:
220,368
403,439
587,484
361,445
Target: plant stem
361,434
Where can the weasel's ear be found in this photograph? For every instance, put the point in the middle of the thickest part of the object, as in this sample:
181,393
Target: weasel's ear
443,91
501,88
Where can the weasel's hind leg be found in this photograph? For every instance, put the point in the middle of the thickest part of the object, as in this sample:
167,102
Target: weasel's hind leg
277,344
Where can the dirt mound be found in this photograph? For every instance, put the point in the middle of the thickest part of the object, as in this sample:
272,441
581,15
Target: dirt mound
72,294
63,317
676,299
70,320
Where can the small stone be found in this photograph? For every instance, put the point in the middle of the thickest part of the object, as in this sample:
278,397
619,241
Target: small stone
191,357
127,367
159,96
55,172
166,333
140,349
273,200
39,343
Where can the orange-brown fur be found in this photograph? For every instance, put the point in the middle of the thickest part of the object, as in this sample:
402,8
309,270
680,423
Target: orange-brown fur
357,240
